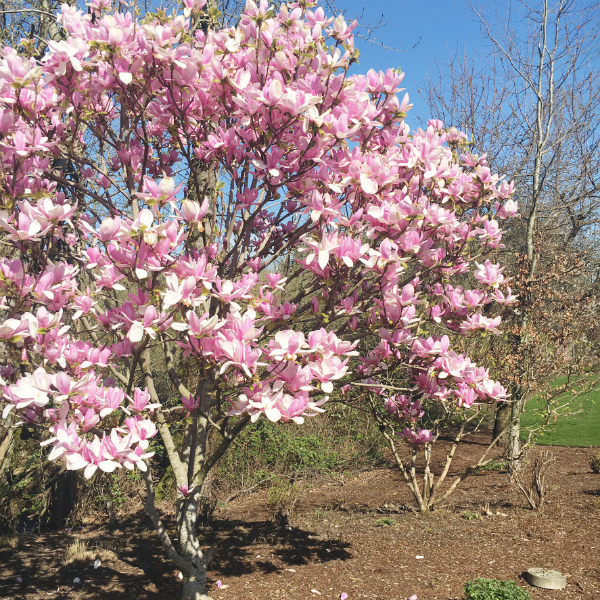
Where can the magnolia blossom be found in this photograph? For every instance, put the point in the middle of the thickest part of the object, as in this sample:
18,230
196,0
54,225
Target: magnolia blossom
192,211
489,274
403,408
30,390
286,345
507,210
190,403
416,436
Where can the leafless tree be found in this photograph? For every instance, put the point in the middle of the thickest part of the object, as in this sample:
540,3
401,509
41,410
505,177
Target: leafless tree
531,100
31,20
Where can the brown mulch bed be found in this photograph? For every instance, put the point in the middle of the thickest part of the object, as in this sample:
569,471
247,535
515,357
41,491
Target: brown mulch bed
337,542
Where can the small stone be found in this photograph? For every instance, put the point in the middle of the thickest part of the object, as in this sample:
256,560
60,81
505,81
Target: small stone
546,578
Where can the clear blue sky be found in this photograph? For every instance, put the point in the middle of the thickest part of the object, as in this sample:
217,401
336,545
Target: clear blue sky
442,27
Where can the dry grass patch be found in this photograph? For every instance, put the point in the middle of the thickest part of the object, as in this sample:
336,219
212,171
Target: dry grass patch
81,551
10,541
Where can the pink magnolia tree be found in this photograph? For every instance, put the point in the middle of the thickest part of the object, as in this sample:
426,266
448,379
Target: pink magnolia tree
162,188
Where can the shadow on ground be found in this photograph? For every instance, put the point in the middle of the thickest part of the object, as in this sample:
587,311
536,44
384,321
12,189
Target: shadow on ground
139,563
292,546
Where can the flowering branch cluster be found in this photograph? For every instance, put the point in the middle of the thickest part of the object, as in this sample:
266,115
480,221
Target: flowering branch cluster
119,243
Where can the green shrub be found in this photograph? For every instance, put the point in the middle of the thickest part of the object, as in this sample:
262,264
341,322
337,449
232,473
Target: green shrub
385,522
494,589
492,466
335,442
595,462
469,516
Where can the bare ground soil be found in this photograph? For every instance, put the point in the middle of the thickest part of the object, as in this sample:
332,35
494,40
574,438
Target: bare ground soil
337,542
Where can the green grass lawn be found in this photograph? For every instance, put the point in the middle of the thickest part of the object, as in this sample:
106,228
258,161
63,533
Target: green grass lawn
582,429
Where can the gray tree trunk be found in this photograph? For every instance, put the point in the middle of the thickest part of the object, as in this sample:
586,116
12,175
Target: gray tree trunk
514,444
502,421
188,558
195,577
194,586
